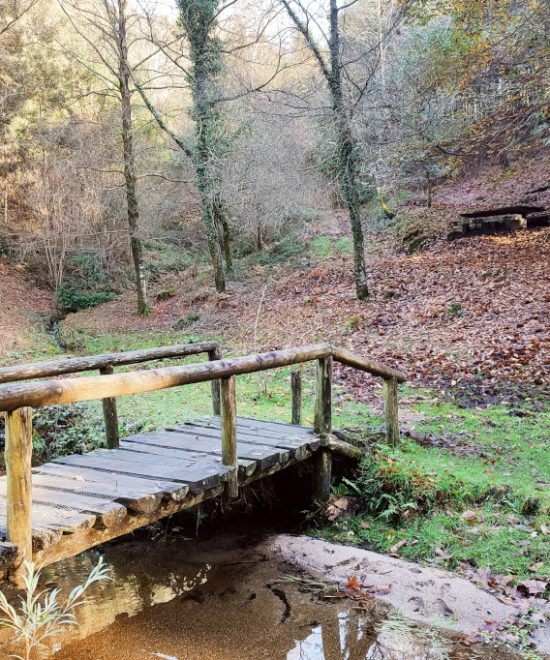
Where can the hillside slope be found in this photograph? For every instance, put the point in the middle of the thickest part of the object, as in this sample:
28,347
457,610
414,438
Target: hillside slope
24,312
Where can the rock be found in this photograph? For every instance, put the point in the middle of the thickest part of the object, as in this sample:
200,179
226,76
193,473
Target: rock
429,595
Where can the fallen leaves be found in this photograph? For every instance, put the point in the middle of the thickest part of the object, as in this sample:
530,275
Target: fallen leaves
532,587
469,516
342,508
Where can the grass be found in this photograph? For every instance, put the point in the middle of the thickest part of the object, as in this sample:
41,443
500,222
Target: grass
484,500
327,247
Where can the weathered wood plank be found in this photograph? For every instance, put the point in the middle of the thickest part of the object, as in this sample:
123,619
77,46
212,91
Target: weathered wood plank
280,428
195,476
246,467
46,517
208,440
166,488
259,434
144,500
205,445
108,514
289,448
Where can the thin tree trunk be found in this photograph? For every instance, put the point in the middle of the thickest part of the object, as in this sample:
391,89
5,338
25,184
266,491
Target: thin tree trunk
347,157
428,189
225,234
129,163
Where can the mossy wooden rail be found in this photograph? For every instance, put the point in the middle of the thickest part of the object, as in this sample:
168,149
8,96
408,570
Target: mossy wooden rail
75,502
105,364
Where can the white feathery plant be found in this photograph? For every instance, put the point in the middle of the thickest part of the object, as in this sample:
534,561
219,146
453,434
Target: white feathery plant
41,614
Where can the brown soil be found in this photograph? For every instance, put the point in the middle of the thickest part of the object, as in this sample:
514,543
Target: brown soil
23,310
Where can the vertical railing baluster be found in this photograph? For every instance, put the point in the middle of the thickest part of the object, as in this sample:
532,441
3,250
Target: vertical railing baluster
296,386
323,427
18,459
229,432
391,411
323,397
215,354
110,414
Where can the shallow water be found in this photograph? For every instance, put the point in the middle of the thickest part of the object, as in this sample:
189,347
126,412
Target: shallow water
224,597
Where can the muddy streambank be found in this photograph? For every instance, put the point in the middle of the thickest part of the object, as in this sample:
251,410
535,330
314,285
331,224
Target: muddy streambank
233,597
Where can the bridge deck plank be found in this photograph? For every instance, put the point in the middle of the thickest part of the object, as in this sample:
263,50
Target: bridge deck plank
108,492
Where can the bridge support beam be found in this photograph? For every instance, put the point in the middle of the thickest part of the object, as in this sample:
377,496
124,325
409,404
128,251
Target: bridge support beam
323,426
18,458
229,432
322,475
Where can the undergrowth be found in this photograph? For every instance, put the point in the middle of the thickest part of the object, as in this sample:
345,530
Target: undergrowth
483,499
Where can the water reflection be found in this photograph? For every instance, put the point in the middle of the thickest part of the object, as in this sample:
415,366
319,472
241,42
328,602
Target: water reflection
187,601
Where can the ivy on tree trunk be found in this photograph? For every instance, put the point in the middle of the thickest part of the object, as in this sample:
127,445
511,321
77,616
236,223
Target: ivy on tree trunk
199,20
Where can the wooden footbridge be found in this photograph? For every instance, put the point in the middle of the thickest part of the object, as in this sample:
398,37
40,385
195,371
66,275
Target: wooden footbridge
75,502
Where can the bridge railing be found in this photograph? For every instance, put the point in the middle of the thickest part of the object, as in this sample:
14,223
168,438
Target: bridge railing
18,399
105,364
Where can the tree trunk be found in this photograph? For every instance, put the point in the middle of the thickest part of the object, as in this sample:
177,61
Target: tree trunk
347,157
224,233
129,162
428,189
207,179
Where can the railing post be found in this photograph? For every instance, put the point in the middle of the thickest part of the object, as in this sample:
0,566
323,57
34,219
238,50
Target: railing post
110,414
215,354
18,457
391,411
229,432
296,386
323,426
323,404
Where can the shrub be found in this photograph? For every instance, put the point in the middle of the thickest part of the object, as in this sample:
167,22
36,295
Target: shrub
166,294
65,429
455,309
392,490
73,299
86,284
186,321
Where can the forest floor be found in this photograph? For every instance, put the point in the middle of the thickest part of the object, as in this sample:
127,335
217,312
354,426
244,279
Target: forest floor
468,488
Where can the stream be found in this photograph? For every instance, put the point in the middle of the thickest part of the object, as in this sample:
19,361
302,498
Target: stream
226,597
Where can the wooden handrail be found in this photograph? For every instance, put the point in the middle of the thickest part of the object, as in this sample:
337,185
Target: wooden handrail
348,358
106,362
91,362
87,388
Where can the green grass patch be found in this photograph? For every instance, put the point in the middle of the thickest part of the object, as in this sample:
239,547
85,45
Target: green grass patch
327,247
484,499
